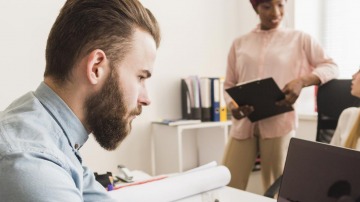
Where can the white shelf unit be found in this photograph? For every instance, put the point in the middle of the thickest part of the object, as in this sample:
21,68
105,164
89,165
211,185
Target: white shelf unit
179,148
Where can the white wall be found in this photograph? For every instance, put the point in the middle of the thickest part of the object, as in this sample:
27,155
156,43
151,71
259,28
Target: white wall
24,26
196,36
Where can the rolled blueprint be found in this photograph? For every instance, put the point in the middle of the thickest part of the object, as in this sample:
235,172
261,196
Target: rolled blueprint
175,187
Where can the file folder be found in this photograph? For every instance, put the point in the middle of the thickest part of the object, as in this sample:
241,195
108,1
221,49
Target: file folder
223,109
262,95
215,99
185,100
196,107
190,98
205,93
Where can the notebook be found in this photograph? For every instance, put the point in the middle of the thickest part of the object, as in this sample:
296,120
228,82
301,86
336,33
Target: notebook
318,172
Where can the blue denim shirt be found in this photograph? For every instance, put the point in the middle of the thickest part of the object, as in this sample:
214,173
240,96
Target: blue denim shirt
40,138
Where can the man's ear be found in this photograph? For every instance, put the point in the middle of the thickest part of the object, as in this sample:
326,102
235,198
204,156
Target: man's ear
96,66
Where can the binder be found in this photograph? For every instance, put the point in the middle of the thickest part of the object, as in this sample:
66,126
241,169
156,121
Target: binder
205,92
196,107
185,99
262,95
190,98
215,99
223,110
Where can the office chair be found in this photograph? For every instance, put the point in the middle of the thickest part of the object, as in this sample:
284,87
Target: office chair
274,188
332,98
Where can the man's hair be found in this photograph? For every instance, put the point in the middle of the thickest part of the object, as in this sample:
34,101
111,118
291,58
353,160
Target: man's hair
85,25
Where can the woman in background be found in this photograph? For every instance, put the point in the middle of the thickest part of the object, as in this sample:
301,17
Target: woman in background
347,132
295,60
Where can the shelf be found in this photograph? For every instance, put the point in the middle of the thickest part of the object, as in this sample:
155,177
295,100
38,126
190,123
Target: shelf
199,125
182,147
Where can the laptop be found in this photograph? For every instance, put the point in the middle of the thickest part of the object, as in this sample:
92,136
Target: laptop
318,172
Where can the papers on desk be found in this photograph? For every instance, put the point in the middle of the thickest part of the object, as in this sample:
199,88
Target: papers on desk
175,187
177,122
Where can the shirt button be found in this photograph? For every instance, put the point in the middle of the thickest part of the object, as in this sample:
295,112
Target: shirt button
76,146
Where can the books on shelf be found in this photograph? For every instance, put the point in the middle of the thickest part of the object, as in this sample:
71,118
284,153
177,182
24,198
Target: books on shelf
203,98
177,122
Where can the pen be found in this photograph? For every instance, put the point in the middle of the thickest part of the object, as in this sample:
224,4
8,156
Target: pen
110,187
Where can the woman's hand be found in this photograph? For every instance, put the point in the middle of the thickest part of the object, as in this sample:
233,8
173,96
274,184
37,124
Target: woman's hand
292,91
293,88
239,112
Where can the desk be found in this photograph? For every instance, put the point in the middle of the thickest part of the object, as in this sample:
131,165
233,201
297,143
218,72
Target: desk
196,186
227,194
167,148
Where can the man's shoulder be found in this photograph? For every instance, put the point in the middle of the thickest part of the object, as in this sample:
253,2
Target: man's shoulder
33,154
28,140
26,124
37,176
25,112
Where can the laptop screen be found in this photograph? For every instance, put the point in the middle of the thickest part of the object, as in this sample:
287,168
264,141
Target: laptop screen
318,172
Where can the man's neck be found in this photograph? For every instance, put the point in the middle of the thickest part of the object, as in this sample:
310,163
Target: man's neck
71,95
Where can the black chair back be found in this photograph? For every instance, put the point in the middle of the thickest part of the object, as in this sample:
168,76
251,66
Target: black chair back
332,98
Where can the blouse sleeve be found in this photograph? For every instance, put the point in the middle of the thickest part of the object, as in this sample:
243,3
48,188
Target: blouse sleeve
324,66
231,77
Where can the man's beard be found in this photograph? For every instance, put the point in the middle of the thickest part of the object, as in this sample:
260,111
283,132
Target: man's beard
105,114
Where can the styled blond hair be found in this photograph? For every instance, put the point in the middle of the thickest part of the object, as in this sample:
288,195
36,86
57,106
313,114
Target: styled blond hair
351,141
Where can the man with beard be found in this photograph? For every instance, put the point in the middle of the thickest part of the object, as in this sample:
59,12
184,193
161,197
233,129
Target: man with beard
98,57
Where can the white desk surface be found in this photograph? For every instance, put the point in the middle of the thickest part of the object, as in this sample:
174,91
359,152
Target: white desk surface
223,194
227,194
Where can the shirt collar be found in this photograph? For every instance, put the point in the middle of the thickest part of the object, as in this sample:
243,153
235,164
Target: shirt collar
63,115
259,30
